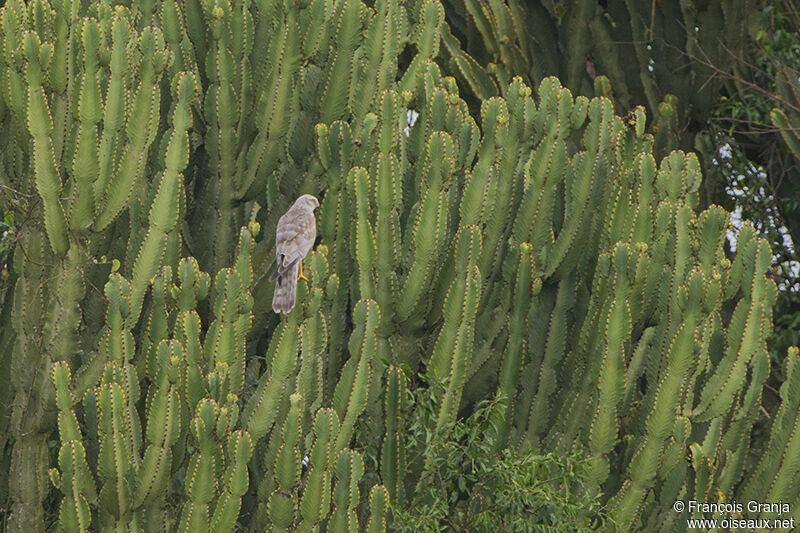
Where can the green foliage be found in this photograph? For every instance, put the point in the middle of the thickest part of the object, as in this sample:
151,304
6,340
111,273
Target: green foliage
533,249
473,487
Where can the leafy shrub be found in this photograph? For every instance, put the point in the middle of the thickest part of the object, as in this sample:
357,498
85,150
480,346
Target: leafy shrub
476,484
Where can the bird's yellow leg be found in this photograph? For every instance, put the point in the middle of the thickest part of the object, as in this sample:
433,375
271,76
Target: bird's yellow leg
300,274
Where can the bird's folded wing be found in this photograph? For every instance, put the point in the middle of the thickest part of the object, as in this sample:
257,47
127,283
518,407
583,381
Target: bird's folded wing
280,270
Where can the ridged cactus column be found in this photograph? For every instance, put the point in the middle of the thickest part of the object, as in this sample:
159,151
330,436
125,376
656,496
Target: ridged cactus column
283,503
478,240
72,477
66,77
316,501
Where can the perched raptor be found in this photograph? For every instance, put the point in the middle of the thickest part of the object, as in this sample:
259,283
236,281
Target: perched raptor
294,237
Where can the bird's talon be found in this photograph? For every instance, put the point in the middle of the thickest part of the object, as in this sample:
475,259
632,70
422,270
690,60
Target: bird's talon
300,274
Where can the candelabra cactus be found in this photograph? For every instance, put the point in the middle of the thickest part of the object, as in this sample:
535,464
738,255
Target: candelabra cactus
315,504
536,251
72,477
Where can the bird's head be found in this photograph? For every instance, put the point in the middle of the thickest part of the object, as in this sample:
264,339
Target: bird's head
308,200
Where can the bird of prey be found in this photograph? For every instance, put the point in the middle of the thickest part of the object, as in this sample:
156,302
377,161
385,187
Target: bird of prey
294,237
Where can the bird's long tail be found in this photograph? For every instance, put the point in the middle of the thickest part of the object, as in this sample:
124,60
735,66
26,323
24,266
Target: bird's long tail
285,291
